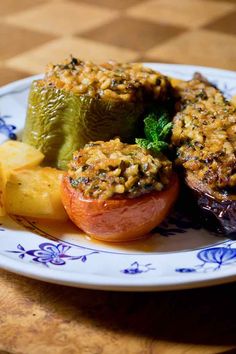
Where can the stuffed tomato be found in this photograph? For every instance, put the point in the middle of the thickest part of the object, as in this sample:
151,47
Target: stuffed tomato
118,192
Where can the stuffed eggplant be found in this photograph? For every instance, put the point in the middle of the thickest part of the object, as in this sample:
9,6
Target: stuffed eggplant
204,134
78,102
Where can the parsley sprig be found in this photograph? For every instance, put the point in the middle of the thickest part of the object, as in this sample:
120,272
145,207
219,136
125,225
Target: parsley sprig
157,128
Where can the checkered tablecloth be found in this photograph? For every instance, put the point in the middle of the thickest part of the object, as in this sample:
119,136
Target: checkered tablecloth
35,32
36,317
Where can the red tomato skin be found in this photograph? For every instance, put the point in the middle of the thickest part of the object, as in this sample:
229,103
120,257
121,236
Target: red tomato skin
117,220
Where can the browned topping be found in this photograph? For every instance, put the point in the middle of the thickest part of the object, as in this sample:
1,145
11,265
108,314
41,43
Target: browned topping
205,133
103,170
127,82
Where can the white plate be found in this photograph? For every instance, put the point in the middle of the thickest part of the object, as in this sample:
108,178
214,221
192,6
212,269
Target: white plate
178,255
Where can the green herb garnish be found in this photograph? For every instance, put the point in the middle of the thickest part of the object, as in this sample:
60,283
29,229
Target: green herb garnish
75,182
157,128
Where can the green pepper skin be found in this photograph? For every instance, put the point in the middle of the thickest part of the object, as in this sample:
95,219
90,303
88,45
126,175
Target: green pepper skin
59,122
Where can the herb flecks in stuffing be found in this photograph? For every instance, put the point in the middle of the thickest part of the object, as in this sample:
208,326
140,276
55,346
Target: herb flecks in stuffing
204,133
131,82
112,169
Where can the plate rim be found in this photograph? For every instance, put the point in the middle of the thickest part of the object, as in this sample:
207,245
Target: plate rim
165,283
100,282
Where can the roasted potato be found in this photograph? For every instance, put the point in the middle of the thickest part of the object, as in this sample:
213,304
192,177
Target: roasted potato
35,192
15,155
3,180
233,100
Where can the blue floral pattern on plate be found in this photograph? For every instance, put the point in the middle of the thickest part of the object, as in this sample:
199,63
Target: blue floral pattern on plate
50,253
137,268
213,259
7,129
176,223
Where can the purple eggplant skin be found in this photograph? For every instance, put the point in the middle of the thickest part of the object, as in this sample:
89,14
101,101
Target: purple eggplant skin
224,211
217,212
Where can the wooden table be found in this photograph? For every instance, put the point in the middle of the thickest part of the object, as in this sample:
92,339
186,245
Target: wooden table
37,317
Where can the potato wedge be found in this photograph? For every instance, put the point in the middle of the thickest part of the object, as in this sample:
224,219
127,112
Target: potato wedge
35,192
3,181
233,100
15,154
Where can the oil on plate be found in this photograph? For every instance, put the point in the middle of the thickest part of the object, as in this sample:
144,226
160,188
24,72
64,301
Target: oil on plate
177,255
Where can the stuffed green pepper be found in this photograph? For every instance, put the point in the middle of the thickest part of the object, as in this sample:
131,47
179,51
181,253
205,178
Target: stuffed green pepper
77,102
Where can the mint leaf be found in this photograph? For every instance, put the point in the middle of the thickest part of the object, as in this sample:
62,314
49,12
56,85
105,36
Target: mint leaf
157,146
151,127
165,129
142,142
157,128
